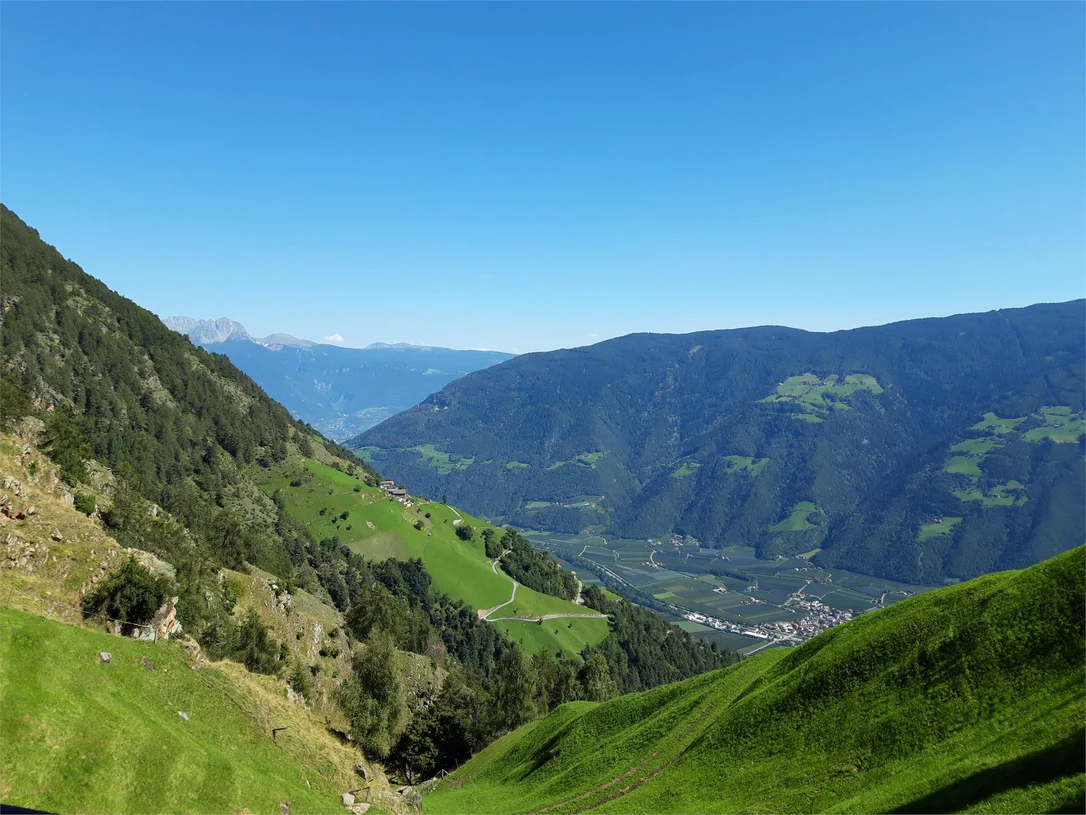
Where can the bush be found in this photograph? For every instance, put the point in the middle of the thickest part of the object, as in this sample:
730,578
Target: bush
465,532
255,647
130,594
300,680
85,503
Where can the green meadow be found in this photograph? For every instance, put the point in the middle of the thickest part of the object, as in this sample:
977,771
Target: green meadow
798,520
378,528
933,530
81,736
817,395
745,464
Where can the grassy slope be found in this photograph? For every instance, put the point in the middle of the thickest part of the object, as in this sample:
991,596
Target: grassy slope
460,569
85,737
969,697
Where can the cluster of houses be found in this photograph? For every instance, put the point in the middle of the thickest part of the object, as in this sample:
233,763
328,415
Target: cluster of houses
819,617
397,493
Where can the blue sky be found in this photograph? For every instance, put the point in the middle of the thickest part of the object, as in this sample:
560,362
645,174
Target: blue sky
531,176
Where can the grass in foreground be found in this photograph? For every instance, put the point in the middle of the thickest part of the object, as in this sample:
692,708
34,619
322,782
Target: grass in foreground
80,736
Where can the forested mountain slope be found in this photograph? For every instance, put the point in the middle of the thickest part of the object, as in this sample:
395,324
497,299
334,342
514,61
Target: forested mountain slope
969,698
120,438
178,426
922,450
340,391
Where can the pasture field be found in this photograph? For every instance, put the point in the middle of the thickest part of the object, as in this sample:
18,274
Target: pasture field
1056,423
745,464
440,460
685,469
993,424
817,395
1060,425
931,530
963,465
378,527
574,635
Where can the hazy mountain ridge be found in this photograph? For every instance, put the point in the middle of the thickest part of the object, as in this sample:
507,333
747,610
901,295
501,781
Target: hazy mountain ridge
340,391
773,437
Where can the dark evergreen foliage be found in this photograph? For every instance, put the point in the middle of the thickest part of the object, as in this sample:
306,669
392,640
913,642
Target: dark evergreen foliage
654,424
534,569
130,594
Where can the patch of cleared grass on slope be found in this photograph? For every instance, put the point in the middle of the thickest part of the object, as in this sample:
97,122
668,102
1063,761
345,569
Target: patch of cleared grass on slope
571,636
86,737
965,697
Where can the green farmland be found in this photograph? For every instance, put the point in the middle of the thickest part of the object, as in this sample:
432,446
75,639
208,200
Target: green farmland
676,573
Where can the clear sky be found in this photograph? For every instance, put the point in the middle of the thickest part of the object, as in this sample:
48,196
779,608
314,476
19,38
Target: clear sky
530,176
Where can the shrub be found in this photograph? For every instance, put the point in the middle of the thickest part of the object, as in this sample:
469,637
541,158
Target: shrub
301,681
465,532
85,503
130,594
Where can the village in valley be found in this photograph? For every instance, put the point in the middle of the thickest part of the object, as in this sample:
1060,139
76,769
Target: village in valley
728,596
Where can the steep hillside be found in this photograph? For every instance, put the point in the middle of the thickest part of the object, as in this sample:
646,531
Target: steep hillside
969,698
139,468
178,427
340,391
56,700
882,446
334,505
82,736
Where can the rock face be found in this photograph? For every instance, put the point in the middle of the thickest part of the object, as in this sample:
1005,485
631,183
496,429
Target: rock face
165,623
347,799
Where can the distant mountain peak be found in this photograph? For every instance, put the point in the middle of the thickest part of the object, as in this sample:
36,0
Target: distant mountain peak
276,341
207,332
402,346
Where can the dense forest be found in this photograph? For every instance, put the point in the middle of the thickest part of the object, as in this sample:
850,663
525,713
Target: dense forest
785,440
534,569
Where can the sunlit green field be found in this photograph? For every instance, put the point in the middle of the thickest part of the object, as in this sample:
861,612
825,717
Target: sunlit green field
379,527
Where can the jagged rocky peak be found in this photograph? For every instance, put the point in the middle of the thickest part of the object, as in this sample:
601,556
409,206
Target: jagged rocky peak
208,331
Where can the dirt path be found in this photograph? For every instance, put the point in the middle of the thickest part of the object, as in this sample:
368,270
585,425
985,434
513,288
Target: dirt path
494,562
486,612
578,599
